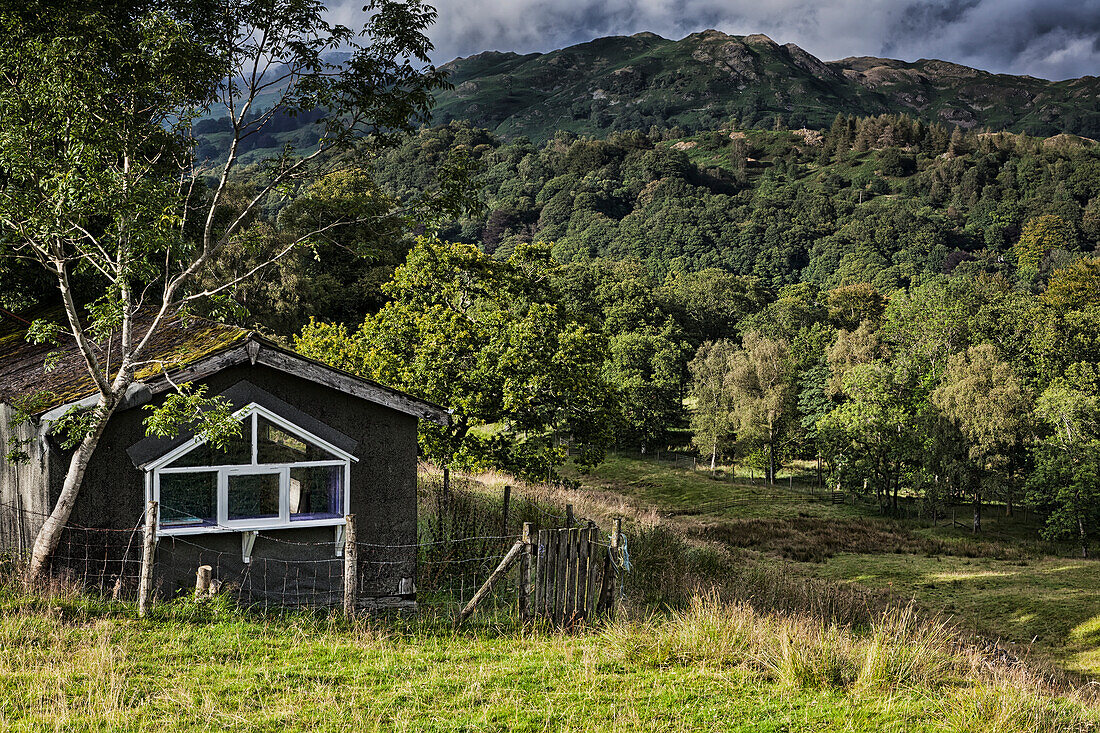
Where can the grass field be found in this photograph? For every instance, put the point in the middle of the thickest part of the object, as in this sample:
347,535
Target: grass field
806,627
1001,584
708,668
1048,605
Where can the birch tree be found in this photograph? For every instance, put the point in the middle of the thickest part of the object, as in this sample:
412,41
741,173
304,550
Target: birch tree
99,180
712,390
761,391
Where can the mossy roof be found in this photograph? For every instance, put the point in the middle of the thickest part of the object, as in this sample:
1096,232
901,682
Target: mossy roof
24,377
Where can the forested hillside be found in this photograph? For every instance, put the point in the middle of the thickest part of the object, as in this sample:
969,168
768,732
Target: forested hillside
918,307
884,200
634,82
699,83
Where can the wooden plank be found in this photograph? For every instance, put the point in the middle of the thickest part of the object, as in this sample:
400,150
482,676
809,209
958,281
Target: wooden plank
616,544
511,557
593,573
570,606
330,377
540,574
582,575
237,354
561,570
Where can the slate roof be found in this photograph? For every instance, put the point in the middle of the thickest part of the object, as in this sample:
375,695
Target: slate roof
22,365
190,348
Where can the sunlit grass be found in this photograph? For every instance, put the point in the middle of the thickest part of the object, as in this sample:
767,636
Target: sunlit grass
1049,607
712,666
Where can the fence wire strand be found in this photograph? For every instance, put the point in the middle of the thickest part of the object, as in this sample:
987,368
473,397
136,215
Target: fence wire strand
462,536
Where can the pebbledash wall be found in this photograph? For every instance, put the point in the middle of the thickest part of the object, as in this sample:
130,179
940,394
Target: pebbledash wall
286,566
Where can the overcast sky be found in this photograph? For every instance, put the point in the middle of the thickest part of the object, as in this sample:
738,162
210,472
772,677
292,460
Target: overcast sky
1053,39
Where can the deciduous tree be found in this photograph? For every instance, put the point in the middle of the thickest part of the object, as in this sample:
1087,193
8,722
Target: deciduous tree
712,419
100,178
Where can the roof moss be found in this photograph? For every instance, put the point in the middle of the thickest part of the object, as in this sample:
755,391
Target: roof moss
179,341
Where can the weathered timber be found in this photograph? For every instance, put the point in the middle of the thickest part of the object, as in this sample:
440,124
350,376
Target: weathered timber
351,567
298,366
145,585
512,555
525,562
540,573
592,588
202,581
561,577
580,594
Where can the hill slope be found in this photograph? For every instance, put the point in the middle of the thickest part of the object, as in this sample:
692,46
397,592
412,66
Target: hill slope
707,78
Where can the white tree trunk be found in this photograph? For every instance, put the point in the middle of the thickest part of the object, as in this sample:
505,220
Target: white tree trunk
50,534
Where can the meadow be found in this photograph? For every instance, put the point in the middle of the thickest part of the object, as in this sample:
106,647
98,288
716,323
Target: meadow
878,625
711,666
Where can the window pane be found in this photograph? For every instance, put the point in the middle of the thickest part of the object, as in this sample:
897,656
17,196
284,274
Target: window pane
254,496
238,451
316,492
275,445
189,498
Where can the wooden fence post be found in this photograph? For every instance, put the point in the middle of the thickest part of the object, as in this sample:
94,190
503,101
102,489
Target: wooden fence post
611,569
525,562
351,567
504,519
569,519
616,552
202,581
145,585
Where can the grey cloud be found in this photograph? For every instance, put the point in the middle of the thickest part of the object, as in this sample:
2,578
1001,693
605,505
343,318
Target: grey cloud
1054,39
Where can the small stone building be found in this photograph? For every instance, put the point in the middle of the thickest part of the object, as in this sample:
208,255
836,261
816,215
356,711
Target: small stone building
267,512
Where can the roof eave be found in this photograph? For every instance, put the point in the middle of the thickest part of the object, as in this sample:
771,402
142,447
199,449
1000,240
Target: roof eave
258,350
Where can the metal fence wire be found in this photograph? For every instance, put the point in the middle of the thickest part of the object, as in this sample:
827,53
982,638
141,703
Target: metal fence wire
463,533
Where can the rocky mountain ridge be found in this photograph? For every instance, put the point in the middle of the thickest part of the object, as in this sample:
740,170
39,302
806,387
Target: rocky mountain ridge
709,78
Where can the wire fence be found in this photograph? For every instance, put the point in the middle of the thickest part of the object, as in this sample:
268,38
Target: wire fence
462,535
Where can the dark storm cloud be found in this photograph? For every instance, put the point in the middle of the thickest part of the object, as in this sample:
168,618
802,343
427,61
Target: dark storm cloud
1054,39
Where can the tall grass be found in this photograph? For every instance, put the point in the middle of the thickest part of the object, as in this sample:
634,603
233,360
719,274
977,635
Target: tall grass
899,653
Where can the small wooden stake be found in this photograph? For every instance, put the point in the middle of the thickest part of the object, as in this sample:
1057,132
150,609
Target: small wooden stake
351,567
569,519
145,585
202,581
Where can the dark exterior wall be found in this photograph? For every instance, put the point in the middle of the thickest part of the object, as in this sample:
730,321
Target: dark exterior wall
23,492
382,496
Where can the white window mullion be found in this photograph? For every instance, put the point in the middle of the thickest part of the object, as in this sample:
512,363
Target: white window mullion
223,497
284,495
345,505
255,447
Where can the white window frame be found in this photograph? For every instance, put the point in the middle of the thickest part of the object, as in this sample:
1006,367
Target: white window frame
252,412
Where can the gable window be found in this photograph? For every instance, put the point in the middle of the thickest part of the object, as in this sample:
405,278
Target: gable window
276,475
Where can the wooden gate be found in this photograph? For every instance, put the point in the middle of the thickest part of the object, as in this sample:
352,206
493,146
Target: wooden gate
574,575
566,575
